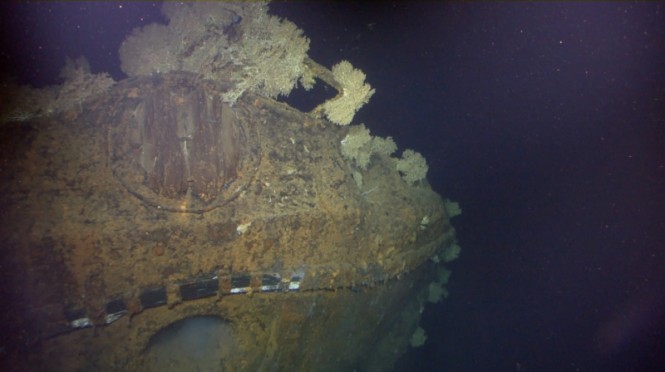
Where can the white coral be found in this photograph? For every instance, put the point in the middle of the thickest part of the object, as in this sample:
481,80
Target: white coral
355,146
412,166
261,53
359,146
355,93
271,55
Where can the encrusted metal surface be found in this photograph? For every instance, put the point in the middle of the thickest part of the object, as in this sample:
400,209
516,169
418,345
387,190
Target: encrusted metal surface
136,213
180,147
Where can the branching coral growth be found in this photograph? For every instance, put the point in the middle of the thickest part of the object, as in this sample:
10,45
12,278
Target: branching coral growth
261,53
355,93
194,40
271,53
359,146
22,103
79,84
149,50
412,166
451,253
452,208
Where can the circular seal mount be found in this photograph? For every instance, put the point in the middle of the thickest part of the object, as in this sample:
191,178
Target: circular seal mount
178,147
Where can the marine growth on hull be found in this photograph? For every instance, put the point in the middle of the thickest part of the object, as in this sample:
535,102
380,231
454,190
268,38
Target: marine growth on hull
189,204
